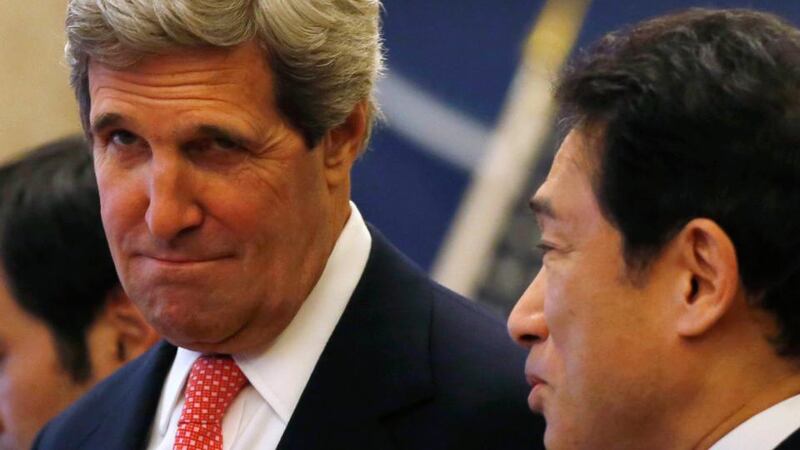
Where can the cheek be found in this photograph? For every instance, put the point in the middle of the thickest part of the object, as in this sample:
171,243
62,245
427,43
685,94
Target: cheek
242,210
562,303
122,203
600,335
123,208
286,201
581,332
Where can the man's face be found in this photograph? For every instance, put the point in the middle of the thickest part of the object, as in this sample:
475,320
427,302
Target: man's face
34,387
217,214
596,342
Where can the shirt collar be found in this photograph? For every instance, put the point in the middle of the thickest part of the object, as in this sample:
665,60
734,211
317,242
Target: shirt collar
280,373
765,430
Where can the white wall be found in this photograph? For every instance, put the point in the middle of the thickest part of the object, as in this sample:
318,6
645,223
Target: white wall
36,102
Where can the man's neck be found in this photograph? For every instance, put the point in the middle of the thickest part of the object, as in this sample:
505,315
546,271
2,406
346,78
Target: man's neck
773,393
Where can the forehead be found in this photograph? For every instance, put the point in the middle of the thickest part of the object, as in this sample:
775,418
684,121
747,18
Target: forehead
169,96
239,71
567,189
216,63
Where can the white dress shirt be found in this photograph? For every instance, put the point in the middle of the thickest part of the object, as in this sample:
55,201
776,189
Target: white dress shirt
258,416
765,430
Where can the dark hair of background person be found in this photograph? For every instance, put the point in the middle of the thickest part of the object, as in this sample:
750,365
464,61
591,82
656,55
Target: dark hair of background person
698,115
53,249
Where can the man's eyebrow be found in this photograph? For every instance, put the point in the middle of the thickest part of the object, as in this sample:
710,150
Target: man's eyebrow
542,207
105,121
217,132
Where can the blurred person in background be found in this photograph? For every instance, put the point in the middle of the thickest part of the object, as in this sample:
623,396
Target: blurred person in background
224,133
666,314
65,322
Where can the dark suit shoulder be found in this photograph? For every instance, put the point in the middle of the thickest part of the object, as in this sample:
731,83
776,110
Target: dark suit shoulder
465,337
479,372
476,368
125,394
465,334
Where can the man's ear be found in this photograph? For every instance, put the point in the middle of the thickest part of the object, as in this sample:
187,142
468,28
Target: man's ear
133,335
342,145
711,281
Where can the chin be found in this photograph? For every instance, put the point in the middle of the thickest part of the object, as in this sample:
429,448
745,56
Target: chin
204,344
559,435
194,334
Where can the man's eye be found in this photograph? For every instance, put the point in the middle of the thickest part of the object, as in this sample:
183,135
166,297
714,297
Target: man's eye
226,144
543,248
122,137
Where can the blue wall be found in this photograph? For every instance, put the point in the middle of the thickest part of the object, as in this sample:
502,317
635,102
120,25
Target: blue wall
464,53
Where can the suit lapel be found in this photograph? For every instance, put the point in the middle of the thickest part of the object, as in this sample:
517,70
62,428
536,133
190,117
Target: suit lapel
126,425
375,363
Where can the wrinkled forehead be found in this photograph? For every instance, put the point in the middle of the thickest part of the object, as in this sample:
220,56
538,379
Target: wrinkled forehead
215,63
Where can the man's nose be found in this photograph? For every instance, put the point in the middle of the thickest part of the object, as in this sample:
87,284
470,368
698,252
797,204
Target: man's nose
526,324
173,204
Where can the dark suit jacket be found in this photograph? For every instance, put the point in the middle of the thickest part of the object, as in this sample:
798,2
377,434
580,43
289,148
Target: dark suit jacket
410,365
790,443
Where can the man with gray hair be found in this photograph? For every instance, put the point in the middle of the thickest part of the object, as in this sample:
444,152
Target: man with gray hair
223,136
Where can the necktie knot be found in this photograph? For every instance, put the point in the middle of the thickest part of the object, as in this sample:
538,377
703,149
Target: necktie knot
213,383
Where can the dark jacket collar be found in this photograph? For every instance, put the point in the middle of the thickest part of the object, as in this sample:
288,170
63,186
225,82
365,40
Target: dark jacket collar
376,362
790,443
129,407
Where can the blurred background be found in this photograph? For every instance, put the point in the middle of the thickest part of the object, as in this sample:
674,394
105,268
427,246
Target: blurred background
469,129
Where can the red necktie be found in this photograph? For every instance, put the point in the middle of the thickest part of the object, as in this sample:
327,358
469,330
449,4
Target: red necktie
213,383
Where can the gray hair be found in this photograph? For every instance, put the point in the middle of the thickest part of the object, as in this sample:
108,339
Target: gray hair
325,54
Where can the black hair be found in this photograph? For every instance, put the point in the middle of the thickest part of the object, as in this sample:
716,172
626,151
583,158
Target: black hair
699,113
52,246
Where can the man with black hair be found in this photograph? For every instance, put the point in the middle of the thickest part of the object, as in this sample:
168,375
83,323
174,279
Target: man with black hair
65,323
666,314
